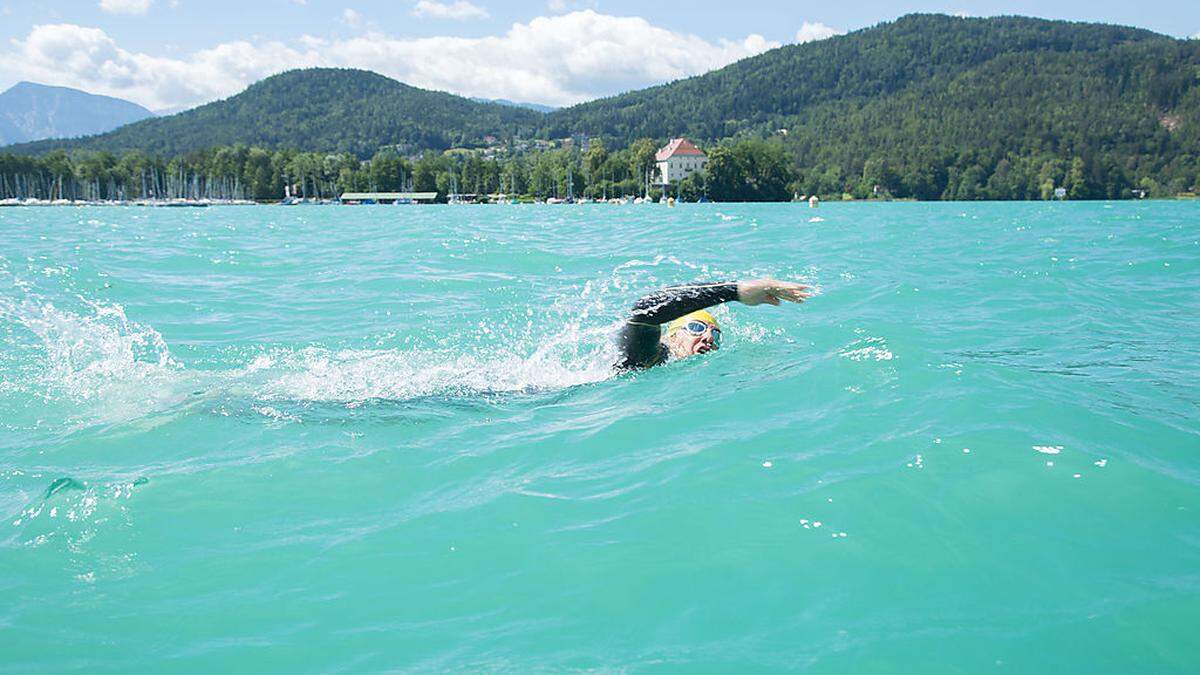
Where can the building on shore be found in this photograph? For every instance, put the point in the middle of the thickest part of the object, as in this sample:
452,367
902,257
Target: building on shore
387,197
678,160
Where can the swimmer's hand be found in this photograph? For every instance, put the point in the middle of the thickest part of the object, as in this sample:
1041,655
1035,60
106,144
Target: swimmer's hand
771,291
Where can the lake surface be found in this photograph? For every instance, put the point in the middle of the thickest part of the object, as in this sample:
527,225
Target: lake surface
345,439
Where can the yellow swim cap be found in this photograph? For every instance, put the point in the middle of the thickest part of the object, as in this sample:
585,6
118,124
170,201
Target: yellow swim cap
698,315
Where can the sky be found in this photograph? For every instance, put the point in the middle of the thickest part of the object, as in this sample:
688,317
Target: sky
169,55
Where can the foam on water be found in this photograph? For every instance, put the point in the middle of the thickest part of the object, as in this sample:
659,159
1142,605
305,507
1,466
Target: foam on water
113,369
90,355
352,375
869,348
93,364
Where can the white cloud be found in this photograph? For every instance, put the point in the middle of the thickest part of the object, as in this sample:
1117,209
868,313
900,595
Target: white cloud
556,60
460,9
811,32
352,18
125,6
87,58
560,6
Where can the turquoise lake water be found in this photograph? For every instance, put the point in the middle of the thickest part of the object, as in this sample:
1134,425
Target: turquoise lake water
346,439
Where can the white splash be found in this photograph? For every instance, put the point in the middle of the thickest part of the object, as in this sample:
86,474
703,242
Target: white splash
867,349
272,413
89,353
121,370
351,375
96,356
93,353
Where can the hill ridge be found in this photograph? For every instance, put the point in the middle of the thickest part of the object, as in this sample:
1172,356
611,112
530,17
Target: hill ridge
927,106
324,109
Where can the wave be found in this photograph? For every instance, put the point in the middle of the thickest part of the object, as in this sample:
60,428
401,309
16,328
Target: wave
99,367
86,354
352,376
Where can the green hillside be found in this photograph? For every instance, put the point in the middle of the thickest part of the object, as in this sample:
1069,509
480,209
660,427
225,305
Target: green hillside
319,109
1122,118
936,106
927,106
875,62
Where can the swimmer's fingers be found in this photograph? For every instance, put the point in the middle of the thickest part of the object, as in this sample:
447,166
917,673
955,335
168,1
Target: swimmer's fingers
791,292
771,291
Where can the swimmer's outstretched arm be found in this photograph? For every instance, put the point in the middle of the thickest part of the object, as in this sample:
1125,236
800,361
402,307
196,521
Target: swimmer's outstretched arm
639,338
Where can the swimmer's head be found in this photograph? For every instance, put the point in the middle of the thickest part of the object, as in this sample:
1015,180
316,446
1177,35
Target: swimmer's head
695,333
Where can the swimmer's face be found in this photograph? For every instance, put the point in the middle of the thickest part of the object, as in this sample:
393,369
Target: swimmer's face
697,337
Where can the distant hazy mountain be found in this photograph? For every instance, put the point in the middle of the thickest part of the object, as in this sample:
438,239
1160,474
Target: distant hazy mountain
29,112
516,104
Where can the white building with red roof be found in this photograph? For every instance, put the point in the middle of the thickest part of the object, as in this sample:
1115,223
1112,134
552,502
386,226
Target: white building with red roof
678,160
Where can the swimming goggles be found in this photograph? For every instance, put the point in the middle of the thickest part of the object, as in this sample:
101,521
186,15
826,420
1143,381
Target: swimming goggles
699,327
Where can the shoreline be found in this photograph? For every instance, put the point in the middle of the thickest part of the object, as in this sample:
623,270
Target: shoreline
204,203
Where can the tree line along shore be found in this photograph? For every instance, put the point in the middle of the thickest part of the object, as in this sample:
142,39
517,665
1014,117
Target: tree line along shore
737,170
743,171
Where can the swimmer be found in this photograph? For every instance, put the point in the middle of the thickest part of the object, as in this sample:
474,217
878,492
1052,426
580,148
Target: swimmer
691,329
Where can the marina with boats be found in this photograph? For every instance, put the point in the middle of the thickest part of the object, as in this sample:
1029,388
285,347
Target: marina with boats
60,183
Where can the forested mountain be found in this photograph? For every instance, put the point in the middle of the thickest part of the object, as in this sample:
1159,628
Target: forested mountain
927,106
913,51
30,111
936,106
318,109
